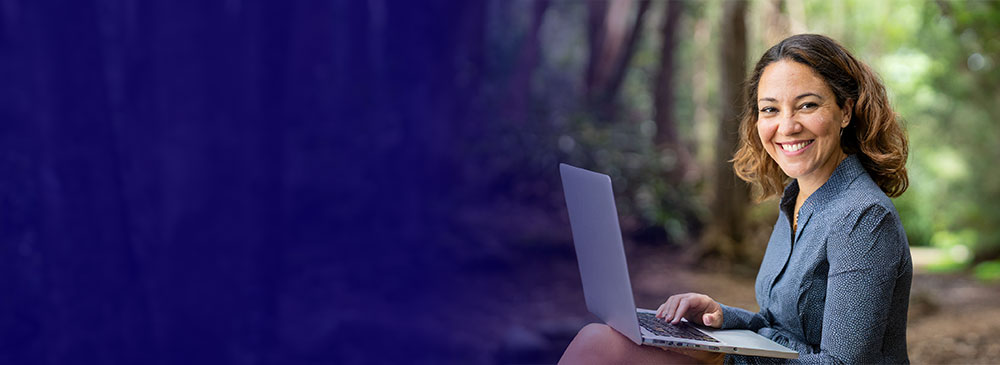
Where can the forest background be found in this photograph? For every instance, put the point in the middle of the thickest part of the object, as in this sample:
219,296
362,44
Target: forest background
356,182
647,92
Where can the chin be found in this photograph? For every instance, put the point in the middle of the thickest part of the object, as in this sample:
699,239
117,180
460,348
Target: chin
794,172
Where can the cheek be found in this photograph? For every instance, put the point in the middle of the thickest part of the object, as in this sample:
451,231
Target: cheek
765,131
823,125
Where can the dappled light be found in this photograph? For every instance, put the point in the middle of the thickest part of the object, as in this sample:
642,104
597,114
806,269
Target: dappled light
377,181
940,62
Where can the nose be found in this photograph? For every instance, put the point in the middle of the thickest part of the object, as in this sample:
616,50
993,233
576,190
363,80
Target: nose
788,125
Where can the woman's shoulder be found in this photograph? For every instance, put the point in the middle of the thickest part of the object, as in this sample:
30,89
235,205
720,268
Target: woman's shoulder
865,215
852,191
862,198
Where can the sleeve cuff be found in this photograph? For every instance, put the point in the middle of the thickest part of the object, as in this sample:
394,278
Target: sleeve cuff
736,318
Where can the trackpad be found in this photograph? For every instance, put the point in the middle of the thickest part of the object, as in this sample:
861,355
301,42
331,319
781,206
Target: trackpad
745,338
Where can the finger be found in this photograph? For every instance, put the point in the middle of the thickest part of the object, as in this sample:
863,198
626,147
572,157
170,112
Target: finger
715,319
708,320
671,307
711,313
681,309
666,308
663,309
659,311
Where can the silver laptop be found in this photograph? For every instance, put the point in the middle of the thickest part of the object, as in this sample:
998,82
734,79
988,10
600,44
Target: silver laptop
606,286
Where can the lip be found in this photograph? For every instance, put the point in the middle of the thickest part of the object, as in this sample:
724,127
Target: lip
795,153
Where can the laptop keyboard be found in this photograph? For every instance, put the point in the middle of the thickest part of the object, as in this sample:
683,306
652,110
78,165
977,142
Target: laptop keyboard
659,327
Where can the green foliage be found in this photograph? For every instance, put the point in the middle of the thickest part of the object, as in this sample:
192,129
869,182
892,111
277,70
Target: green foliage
988,271
946,265
951,105
939,60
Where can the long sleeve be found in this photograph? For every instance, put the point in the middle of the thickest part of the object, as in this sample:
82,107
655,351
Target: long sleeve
864,254
739,318
864,268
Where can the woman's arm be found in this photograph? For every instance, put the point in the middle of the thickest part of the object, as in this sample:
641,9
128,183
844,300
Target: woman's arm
864,257
739,318
864,267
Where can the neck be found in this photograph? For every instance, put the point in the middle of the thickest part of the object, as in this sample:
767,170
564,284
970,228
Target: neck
809,185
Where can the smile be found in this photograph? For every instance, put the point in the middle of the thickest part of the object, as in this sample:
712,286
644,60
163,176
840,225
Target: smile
795,146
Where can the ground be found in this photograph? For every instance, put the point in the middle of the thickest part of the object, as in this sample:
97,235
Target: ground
530,308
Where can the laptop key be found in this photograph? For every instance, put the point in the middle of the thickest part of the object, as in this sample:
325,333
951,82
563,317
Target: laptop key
662,328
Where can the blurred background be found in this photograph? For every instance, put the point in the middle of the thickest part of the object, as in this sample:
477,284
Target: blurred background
258,182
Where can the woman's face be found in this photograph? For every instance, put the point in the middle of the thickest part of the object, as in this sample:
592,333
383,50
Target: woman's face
799,122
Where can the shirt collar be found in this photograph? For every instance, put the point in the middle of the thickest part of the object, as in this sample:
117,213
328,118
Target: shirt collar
842,176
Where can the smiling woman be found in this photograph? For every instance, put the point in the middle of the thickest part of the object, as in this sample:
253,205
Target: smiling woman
834,284
835,280
817,80
800,124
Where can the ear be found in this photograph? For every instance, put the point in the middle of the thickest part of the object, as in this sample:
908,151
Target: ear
848,112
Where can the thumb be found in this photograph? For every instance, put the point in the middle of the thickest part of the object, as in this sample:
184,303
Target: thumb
712,319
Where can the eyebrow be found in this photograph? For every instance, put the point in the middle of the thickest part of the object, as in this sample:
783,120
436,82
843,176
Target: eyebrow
796,98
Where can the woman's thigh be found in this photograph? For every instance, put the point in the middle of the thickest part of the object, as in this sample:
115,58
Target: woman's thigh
600,344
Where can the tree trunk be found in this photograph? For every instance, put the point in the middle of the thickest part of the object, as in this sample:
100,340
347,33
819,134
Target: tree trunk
527,61
777,21
613,42
729,203
596,15
666,138
614,84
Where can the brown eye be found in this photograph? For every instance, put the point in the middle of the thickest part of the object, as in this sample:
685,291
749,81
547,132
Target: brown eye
768,109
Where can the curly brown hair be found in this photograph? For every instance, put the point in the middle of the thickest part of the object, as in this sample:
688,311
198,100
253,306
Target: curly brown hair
874,133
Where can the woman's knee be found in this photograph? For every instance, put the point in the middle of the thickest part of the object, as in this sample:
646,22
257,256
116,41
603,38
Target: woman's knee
599,341
597,333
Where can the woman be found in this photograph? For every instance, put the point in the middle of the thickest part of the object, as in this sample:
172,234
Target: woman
835,280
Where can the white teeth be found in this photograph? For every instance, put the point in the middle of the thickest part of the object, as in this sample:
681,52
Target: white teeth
794,147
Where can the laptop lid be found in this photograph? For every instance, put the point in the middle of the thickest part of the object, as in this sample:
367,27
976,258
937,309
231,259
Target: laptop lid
600,253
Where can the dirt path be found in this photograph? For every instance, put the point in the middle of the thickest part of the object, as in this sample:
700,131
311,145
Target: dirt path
954,319
537,305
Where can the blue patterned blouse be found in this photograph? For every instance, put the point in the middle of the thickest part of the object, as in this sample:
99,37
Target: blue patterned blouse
837,291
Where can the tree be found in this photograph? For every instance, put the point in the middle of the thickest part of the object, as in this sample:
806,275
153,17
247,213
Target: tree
613,42
666,140
527,61
731,198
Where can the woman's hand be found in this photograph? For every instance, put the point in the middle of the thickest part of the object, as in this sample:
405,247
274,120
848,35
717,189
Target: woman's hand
697,308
